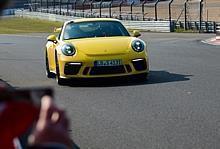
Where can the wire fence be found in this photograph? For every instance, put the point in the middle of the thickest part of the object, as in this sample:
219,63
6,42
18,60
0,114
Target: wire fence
198,11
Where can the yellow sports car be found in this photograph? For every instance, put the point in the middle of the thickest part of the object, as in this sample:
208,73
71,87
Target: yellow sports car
93,48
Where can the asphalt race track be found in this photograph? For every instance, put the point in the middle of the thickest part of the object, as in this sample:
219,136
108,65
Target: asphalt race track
178,108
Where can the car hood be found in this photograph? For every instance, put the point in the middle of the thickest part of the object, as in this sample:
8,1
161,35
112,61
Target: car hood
102,45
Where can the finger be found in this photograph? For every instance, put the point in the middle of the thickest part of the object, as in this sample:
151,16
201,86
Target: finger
47,108
55,117
46,112
59,118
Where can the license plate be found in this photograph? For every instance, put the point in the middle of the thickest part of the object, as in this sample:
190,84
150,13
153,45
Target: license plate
116,62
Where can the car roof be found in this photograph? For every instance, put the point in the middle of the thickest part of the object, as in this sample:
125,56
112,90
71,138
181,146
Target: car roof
93,19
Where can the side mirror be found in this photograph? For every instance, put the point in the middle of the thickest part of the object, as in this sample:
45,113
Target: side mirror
136,33
57,30
52,38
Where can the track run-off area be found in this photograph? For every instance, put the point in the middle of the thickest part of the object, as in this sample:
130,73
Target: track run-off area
177,108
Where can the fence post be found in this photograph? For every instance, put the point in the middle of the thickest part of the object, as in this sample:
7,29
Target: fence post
185,12
120,5
53,5
200,15
60,6
170,13
47,6
100,9
214,23
41,5
75,7
132,3
143,8
72,5
155,7
35,5
110,9
67,7
83,7
91,5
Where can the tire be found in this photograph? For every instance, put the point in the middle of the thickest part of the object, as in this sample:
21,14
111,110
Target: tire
48,73
143,77
60,81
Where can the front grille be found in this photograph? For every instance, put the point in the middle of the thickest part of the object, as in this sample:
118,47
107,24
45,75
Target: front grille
140,64
104,70
71,69
86,70
128,67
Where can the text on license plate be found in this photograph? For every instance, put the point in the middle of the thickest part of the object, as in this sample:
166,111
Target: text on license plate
116,62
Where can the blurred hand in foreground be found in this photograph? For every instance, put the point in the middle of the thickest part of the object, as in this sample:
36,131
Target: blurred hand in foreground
52,127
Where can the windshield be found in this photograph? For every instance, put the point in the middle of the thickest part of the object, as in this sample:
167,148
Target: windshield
94,29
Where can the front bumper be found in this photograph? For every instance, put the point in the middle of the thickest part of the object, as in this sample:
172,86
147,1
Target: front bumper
70,68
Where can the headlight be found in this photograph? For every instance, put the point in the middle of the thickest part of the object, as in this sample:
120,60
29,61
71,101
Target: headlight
138,45
68,50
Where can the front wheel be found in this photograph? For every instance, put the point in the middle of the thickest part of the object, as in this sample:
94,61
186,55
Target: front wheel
48,73
59,80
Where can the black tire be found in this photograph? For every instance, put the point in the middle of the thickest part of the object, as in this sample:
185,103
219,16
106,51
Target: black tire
48,73
59,80
143,77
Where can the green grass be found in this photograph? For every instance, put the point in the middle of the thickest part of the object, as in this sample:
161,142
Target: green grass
181,30
19,25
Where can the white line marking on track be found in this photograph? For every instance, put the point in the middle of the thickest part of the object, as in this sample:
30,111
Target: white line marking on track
211,41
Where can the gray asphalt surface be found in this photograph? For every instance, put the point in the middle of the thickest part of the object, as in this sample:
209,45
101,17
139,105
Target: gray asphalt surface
178,108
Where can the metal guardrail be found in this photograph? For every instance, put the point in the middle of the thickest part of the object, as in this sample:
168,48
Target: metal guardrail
157,26
44,16
217,31
7,12
203,27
